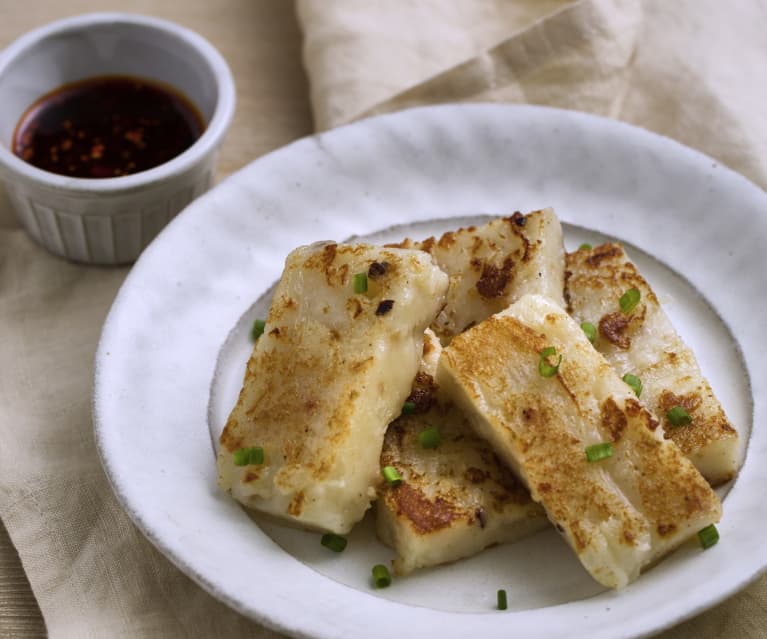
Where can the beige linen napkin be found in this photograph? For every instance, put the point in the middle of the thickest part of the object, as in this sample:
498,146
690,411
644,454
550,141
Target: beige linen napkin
690,69
694,70
93,573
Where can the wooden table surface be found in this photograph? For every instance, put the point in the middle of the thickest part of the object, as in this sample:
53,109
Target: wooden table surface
261,41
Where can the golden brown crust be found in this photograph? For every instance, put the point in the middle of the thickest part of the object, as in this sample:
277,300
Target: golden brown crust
425,515
331,369
645,491
422,393
614,420
492,265
643,343
451,484
493,280
296,504
705,425
614,327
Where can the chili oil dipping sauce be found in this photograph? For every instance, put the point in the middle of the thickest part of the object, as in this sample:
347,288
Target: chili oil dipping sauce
133,112
107,126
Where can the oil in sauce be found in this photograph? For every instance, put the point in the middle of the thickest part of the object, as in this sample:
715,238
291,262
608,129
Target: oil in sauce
107,126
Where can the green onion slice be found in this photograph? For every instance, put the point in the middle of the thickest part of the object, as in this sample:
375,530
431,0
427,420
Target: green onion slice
590,330
634,382
598,452
429,438
336,543
544,368
708,536
391,475
360,282
585,247
381,576
408,408
629,300
258,329
502,603
248,456
678,416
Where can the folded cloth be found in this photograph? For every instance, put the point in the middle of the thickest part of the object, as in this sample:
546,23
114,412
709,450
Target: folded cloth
690,69
361,53
93,573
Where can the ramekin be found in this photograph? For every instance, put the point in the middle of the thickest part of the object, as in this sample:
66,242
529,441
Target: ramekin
110,220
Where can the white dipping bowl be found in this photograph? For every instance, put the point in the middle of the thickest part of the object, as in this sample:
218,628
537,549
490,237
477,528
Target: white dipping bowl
110,220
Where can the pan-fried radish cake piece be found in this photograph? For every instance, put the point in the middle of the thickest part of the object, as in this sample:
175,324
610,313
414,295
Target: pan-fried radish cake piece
556,411
491,266
335,362
456,497
637,338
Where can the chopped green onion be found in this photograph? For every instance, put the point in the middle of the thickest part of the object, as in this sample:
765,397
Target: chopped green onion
336,543
502,603
708,536
678,416
544,368
634,382
381,576
598,452
429,438
391,475
360,282
248,456
258,329
408,408
629,300
585,247
590,330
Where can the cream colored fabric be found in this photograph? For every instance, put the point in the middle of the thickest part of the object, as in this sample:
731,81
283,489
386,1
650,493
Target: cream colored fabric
361,53
694,70
689,69
93,573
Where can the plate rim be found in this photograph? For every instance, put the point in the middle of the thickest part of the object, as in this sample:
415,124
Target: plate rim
101,431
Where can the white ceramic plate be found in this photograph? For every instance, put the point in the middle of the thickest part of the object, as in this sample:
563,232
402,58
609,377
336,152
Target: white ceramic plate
695,228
